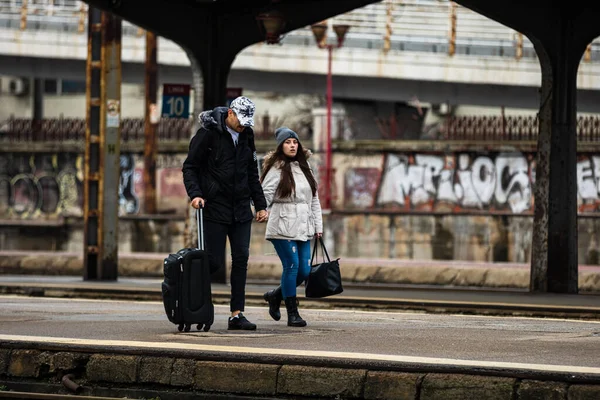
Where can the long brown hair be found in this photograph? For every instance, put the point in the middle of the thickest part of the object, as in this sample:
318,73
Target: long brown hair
287,185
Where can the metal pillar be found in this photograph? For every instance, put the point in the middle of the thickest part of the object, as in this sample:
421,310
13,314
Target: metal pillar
539,246
101,181
562,196
554,257
214,77
150,125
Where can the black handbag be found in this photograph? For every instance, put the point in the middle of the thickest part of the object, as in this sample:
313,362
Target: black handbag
324,279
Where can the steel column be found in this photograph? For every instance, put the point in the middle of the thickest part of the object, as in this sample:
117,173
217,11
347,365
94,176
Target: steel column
150,125
562,196
554,266
101,181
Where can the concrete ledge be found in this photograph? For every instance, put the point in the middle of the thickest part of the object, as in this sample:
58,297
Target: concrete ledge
443,273
392,385
326,382
227,377
172,372
542,390
457,387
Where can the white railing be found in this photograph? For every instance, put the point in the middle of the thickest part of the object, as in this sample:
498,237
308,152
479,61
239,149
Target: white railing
25,12
428,20
41,14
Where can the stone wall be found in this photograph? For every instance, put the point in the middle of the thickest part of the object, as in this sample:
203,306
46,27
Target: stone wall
129,373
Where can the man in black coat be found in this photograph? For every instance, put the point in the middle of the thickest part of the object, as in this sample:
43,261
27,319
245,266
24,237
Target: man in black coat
220,174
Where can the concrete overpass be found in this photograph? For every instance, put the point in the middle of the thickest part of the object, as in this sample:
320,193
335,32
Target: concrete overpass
409,62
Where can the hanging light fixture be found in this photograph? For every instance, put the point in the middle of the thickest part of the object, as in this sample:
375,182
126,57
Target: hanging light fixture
340,32
271,23
319,31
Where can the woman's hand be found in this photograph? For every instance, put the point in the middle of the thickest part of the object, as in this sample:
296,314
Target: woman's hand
319,235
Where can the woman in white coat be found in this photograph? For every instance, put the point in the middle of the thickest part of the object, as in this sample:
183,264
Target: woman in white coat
295,217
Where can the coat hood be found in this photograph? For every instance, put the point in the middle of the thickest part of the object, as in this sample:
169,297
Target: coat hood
211,119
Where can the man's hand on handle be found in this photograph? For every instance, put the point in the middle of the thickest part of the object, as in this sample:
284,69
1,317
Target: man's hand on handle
262,216
197,202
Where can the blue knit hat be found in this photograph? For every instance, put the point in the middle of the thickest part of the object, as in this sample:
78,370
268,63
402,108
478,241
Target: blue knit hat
282,134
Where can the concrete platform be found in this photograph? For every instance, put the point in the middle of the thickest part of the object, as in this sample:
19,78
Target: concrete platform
342,353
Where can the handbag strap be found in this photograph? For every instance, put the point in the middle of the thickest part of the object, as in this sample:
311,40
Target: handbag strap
319,241
324,249
314,252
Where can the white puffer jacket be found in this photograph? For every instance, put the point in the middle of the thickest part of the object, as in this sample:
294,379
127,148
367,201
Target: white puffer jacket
294,218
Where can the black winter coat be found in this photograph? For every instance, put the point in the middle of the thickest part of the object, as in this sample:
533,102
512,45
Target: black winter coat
224,175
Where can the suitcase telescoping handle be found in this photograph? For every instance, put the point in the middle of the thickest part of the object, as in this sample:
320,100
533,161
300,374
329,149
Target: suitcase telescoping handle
200,225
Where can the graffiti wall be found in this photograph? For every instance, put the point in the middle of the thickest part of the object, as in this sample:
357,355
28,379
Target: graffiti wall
47,185
459,182
41,184
50,185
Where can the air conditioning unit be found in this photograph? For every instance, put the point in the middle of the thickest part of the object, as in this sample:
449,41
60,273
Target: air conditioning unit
18,86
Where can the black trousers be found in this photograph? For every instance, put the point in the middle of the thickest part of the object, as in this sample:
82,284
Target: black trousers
215,236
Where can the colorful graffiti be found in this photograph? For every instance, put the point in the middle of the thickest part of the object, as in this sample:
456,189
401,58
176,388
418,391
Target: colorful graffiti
51,185
360,187
129,202
485,182
44,184
456,182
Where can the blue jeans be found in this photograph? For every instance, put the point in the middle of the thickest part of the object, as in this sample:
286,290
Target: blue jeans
295,259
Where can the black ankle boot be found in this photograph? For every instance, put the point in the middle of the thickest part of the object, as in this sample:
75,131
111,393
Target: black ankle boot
274,297
294,318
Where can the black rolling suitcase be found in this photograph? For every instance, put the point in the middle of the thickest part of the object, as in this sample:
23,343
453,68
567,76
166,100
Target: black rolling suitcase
186,287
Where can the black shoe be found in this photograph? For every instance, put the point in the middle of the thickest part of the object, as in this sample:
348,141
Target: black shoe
239,322
294,318
273,297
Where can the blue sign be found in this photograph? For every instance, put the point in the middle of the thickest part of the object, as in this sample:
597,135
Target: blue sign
176,101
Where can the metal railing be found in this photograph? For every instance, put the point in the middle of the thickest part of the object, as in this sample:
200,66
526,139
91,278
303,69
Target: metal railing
507,128
409,25
480,128
73,129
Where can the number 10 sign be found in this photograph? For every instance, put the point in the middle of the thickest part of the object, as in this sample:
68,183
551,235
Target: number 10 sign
176,101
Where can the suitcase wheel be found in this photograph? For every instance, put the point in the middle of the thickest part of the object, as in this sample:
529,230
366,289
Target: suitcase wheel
199,327
206,328
187,327
180,327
